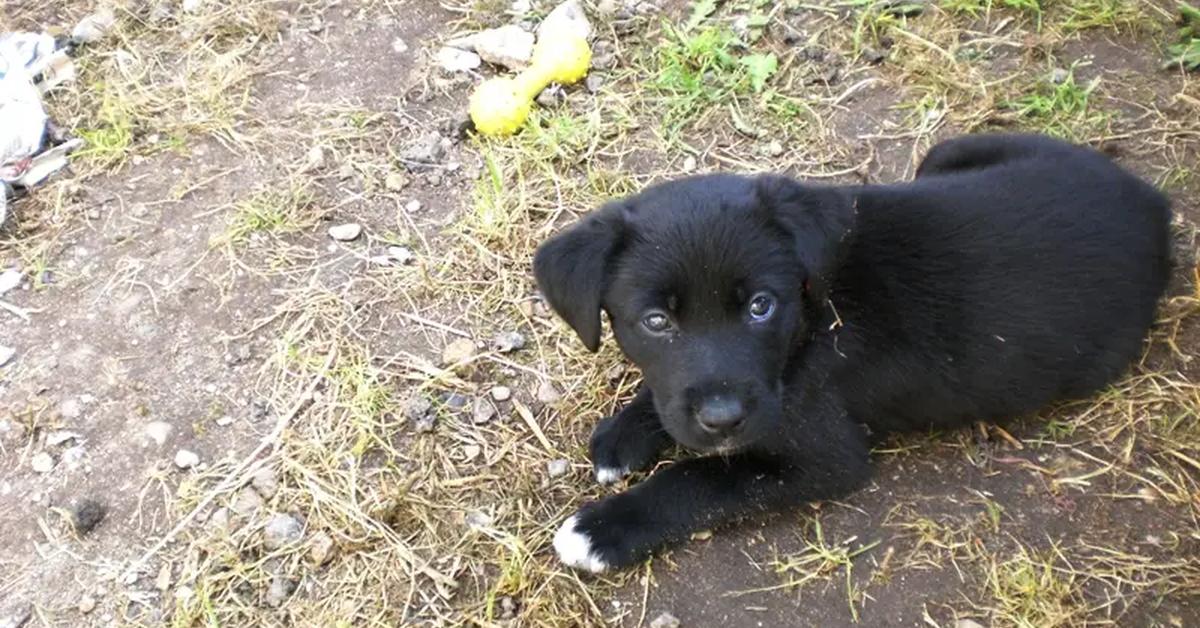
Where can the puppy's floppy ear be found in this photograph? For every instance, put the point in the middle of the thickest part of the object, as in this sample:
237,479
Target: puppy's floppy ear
571,268
819,219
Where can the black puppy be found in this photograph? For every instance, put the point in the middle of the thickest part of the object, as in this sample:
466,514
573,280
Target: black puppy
779,326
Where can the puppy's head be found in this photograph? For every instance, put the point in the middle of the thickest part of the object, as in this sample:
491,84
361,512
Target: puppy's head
708,282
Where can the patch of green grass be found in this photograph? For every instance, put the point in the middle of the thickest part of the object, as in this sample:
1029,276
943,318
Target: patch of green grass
1061,108
108,142
695,71
271,211
1185,53
1111,14
1031,590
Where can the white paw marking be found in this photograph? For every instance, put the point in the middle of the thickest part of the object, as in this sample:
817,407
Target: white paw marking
608,475
575,549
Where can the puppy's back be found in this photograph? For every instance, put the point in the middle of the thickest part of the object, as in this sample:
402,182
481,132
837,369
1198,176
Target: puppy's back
995,284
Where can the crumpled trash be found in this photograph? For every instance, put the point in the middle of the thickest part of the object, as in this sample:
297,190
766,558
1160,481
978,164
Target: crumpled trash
31,64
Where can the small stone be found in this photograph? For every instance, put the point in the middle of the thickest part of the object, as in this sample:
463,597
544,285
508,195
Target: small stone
158,431
550,97
508,608
967,623
456,402
425,151
604,55
399,46
314,160
280,590
773,149
520,7
402,255
665,620
70,409
1058,76
220,519
508,46
320,549
86,515
501,393
247,502
58,437
42,463
478,519
412,206
10,279
265,482
186,459
593,82
225,421
873,56
192,6
163,581
86,604
616,372
72,458
567,17
483,411
547,393
459,350
454,60
396,181
557,468
471,452
417,408
426,424
346,232
689,164
7,354
94,27
281,531
509,341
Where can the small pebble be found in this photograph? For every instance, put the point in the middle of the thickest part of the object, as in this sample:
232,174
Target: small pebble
247,502
280,531
225,421
220,519
399,46
413,206
547,393
86,515
483,411
158,431
396,181
1058,76
508,608
7,354
459,350
186,459
346,232
967,623
70,409
508,342
280,590
400,254
314,160
478,519
689,164
471,452
10,279
86,604
501,393
665,620
557,468
265,482
320,549
42,463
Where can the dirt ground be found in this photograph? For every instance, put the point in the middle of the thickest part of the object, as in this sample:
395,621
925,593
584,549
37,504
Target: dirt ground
218,414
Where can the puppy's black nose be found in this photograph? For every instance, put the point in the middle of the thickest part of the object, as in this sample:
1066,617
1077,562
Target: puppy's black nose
722,413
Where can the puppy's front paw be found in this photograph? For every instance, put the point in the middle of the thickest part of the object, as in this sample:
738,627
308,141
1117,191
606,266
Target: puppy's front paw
620,446
609,534
574,547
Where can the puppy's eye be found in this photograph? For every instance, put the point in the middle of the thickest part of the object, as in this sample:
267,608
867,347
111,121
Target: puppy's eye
762,306
656,322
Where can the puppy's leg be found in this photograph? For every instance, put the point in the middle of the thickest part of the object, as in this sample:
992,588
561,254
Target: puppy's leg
701,493
630,440
971,152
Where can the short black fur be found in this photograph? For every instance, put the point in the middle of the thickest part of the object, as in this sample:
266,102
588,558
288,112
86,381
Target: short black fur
1012,272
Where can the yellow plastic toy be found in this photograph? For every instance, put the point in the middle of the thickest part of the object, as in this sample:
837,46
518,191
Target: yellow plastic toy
500,105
